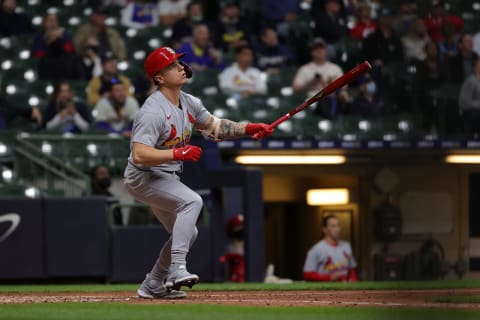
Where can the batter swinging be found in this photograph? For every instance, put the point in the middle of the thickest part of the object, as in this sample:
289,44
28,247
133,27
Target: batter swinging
160,142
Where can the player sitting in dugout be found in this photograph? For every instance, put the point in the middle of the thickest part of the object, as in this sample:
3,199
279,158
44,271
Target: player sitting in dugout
330,259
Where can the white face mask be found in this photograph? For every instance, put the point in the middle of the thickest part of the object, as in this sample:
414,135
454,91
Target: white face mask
371,87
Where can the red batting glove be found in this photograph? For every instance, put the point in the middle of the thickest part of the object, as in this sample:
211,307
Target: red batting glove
258,130
187,153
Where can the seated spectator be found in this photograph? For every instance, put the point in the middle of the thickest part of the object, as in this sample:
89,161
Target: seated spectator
115,111
427,78
11,22
405,18
107,38
98,85
415,40
279,15
448,47
101,181
171,11
457,67
64,112
230,30
92,64
383,46
364,24
329,25
140,14
182,29
241,78
315,75
464,62
271,54
54,48
469,102
368,103
199,53
438,17
330,259
10,111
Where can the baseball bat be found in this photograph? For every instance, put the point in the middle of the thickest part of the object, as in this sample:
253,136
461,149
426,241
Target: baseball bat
335,85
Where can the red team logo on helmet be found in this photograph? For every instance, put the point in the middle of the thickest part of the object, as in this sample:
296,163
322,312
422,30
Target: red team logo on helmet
159,60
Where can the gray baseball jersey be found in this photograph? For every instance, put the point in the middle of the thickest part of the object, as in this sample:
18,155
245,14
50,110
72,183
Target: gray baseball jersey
326,258
162,125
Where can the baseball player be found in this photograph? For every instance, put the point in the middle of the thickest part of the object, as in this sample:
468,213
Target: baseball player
160,142
330,259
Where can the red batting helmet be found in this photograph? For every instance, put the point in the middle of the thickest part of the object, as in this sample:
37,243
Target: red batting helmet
160,59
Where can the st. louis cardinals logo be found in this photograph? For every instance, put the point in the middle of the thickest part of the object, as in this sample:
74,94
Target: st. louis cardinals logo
14,219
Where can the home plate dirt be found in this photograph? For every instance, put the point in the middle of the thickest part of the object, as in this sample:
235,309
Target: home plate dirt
378,298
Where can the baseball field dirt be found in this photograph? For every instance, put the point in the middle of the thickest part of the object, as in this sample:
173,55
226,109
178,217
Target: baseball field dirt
361,301
351,298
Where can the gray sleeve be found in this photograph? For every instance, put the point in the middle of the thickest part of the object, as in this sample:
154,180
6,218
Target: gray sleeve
198,110
466,100
147,128
314,259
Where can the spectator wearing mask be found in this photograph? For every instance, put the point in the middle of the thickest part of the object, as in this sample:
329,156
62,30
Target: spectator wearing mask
271,55
241,78
66,113
199,53
54,48
115,112
182,30
98,85
140,14
107,38
230,31
172,11
368,103
100,184
383,46
11,22
364,24
438,17
415,40
10,111
469,101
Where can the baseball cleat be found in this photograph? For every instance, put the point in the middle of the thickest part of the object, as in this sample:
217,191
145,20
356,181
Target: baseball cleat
154,289
180,277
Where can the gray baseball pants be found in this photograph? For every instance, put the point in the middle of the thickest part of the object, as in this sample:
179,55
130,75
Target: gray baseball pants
175,205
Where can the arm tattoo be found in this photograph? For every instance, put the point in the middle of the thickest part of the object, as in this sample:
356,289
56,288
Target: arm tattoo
230,129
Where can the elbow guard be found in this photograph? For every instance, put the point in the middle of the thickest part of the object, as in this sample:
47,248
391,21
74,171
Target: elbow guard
212,133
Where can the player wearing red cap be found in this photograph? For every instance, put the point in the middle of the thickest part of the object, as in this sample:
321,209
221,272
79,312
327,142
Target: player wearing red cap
160,142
